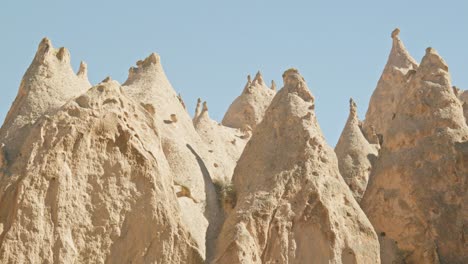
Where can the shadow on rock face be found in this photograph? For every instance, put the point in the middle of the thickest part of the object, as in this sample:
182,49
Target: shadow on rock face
213,211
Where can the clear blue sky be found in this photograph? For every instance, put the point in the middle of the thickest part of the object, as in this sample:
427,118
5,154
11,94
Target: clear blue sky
209,47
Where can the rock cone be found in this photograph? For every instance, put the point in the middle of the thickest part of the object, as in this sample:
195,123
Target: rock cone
417,196
384,101
249,108
94,187
292,204
185,152
48,83
355,154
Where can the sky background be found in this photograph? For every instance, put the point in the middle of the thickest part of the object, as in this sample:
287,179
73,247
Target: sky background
209,47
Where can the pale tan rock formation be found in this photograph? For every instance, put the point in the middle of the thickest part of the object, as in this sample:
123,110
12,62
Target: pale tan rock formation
48,83
249,107
93,186
292,204
225,144
463,96
355,154
417,194
384,101
186,153
273,85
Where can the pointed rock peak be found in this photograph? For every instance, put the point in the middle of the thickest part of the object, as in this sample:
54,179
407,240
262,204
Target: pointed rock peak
181,100
205,107
273,85
153,58
152,64
63,54
352,109
107,79
295,83
248,84
45,45
399,57
44,48
432,58
258,79
83,71
396,33
198,108
201,113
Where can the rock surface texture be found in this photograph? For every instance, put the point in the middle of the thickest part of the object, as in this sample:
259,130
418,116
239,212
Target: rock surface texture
464,100
93,186
292,204
355,154
225,144
122,174
248,109
417,196
186,153
48,83
384,101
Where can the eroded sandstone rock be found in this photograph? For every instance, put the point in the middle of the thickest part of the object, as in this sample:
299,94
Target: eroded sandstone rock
249,107
48,83
186,153
225,144
355,154
292,204
384,101
93,186
417,194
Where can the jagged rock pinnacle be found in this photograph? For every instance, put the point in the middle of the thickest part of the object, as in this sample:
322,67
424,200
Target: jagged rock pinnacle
258,79
273,85
83,70
150,65
395,33
250,106
198,108
355,154
107,79
181,100
352,108
48,83
153,58
432,59
398,71
63,54
205,107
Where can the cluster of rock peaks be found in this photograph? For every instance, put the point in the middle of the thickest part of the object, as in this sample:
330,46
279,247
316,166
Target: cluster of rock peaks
122,173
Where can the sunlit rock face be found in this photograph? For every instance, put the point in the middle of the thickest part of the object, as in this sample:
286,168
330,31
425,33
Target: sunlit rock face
417,194
292,204
248,109
355,154
116,173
